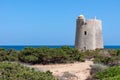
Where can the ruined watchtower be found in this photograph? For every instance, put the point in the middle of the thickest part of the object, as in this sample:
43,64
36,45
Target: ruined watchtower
88,34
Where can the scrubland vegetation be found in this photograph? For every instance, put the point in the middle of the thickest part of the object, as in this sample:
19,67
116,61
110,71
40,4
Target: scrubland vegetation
43,55
16,71
107,62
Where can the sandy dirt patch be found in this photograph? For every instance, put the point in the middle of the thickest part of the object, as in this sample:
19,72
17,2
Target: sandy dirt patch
71,71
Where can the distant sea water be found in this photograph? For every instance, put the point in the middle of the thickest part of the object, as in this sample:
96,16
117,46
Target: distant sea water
58,46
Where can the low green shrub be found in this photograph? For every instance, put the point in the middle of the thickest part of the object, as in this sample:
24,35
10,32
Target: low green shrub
65,54
97,68
113,78
112,73
16,71
50,55
8,55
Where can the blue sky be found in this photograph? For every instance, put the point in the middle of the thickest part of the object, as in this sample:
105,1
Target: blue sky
53,22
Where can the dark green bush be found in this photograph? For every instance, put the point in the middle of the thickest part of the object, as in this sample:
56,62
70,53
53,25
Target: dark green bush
97,68
15,71
65,54
108,57
50,55
3,54
113,78
112,73
8,55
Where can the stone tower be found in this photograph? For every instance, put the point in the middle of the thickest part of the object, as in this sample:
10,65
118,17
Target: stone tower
88,34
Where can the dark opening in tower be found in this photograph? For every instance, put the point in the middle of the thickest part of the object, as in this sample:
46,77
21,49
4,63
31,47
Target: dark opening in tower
85,23
84,48
85,32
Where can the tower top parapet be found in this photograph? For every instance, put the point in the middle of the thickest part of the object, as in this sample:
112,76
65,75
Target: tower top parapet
81,17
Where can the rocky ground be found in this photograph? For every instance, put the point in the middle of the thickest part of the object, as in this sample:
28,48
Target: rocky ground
71,71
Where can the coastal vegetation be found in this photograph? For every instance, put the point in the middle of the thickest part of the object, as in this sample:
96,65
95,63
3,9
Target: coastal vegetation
110,73
16,71
42,55
107,61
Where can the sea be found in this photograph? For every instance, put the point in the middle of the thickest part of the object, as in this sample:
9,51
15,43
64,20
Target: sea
20,47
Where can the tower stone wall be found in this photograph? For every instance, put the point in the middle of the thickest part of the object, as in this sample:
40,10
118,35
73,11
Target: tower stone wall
88,34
